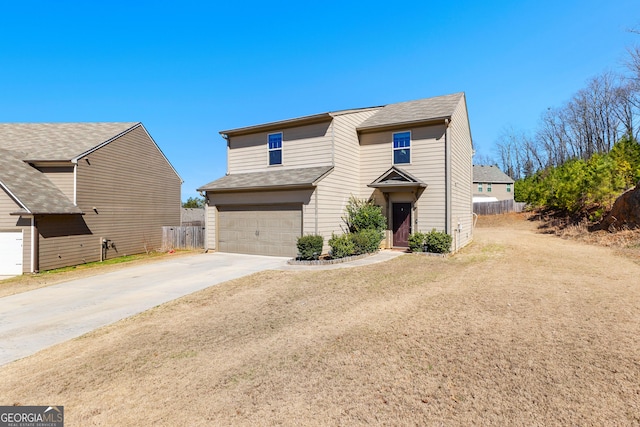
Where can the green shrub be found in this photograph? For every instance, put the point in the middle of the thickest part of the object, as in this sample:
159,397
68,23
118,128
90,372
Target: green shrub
341,246
438,242
364,215
366,241
416,242
310,246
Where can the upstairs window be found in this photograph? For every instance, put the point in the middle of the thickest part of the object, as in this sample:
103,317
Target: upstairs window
479,187
275,148
508,188
401,147
488,187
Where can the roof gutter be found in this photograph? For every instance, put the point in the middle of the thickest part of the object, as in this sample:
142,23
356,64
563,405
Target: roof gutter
400,125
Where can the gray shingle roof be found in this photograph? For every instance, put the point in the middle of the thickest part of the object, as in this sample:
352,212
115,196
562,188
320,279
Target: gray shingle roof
303,177
57,141
413,111
33,190
31,142
490,174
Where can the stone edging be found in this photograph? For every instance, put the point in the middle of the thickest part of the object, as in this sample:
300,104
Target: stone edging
329,261
447,255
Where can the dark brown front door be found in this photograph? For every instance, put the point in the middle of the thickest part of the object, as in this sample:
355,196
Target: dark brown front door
401,224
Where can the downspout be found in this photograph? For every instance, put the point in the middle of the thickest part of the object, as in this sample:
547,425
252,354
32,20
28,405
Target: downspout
447,185
75,183
333,143
316,210
35,246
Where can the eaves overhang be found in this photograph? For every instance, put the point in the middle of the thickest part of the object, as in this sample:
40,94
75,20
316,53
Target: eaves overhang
265,127
404,125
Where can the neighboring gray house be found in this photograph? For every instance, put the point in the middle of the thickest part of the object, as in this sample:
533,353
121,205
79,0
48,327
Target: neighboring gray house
491,184
294,177
72,193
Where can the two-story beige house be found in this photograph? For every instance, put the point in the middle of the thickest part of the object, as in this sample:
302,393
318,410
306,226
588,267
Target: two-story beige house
491,184
294,177
72,193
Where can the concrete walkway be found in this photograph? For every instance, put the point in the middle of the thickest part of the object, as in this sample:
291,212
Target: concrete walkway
34,320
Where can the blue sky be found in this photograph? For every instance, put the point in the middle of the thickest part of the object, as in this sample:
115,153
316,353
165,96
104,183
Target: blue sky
189,69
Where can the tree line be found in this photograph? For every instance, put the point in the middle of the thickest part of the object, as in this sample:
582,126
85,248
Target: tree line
590,123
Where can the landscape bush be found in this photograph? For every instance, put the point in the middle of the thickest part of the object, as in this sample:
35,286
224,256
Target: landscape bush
310,246
416,242
365,225
341,246
435,242
364,215
366,241
438,242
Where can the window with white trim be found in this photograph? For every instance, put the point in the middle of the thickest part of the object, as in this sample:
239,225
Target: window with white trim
508,188
401,148
275,148
488,187
479,187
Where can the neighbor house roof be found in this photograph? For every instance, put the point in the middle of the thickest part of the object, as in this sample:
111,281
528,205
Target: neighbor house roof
25,143
58,141
490,174
410,112
278,178
31,189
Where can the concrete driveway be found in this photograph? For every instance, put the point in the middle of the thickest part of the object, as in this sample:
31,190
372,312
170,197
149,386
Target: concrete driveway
34,320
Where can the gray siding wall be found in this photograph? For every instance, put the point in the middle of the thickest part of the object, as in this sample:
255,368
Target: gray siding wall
461,175
134,191
303,146
62,177
10,222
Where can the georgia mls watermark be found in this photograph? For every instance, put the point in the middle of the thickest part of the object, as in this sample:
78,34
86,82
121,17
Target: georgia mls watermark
31,416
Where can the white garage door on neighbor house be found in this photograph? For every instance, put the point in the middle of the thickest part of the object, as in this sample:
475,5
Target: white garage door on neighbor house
10,253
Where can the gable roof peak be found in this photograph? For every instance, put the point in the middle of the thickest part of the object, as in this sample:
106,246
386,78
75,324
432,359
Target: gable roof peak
416,111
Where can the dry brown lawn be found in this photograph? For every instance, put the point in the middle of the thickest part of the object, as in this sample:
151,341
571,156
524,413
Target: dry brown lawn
520,328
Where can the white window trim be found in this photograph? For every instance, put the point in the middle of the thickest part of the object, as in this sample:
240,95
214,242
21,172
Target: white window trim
393,149
269,150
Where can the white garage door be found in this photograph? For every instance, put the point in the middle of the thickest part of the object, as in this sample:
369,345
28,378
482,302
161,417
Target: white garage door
260,230
10,253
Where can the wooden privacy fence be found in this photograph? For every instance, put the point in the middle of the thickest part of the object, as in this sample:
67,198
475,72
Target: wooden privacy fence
499,207
184,237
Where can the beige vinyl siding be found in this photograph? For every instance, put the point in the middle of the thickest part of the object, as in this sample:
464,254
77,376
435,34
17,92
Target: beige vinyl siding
334,190
461,176
127,191
427,165
303,146
14,223
62,177
210,226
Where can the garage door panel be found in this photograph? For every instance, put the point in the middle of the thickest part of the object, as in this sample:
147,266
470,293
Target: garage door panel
260,230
